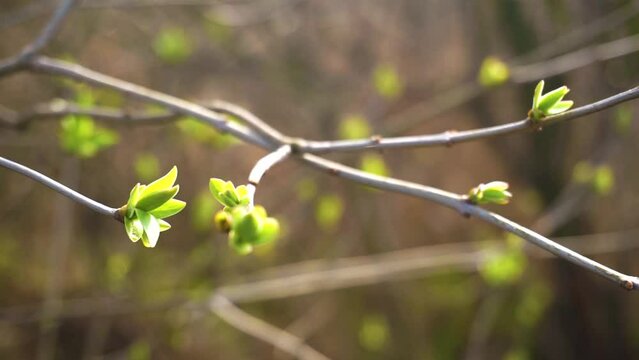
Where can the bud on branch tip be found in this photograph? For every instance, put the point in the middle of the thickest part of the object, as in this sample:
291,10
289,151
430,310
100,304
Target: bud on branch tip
148,205
550,103
494,192
246,225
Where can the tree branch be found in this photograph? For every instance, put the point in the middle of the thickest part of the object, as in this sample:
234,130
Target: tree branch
263,165
56,186
35,47
262,330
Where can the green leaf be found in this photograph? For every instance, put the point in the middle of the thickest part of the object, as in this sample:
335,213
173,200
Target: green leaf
240,246
387,81
493,72
219,188
147,166
172,45
270,231
328,212
164,226
353,127
550,99
151,228
374,333
560,107
374,164
504,268
169,208
133,228
152,200
163,183
134,196
537,95
603,180
249,227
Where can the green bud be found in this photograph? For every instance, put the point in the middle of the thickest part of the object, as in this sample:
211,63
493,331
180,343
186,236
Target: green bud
492,193
549,104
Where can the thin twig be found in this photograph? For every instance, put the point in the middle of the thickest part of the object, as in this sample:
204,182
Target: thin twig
70,193
449,138
262,330
263,165
77,72
35,47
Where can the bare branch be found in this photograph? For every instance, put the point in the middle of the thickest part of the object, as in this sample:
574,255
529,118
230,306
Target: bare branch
262,330
263,165
80,73
449,138
34,48
70,193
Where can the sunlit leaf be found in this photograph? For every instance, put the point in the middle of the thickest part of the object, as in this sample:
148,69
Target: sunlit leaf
328,212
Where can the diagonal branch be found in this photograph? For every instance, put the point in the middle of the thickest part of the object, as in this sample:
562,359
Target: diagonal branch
262,330
70,193
35,47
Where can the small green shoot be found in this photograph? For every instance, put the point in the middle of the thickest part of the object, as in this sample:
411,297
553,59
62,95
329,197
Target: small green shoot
494,192
246,225
550,103
148,205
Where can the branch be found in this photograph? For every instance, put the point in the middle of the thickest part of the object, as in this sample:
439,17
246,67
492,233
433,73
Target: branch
442,197
262,330
35,47
449,138
263,165
77,72
70,193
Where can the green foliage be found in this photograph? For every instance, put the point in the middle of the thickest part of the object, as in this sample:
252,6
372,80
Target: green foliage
147,166
79,135
204,134
374,333
148,205
172,45
354,127
492,193
507,266
202,211
549,104
387,82
139,350
600,178
329,211
623,119
306,189
247,225
374,164
493,72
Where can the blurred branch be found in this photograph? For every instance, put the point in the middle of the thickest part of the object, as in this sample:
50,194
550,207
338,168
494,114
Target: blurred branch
575,60
314,276
35,47
582,34
262,330
56,186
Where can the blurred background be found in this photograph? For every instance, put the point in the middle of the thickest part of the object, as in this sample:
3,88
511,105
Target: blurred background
433,284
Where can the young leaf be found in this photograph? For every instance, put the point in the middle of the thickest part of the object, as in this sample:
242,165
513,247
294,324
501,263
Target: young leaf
552,98
249,227
133,228
163,183
270,230
164,226
133,199
537,95
151,228
169,208
560,107
152,200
